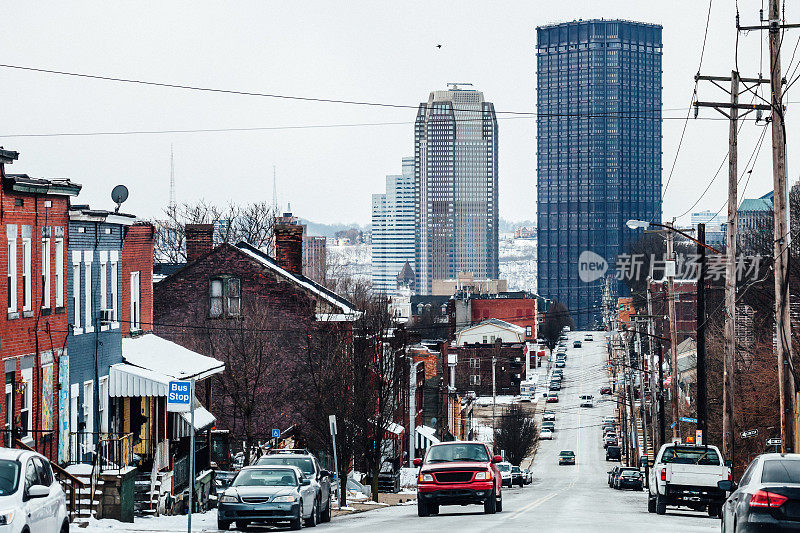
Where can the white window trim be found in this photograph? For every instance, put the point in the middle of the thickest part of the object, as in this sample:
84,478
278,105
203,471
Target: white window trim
114,292
135,302
103,285
103,405
46,273
86,406
27,377
76,292
27,300
88,304
12,273
59,272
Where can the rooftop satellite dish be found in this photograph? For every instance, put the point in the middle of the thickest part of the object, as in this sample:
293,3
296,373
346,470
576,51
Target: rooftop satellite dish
119,194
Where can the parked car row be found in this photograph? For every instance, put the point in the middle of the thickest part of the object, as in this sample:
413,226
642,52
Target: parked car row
625,477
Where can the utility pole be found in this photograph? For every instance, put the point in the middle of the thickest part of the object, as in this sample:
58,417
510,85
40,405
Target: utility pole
629,379
494,393
640,356
784,329
656,378
702,391
673,331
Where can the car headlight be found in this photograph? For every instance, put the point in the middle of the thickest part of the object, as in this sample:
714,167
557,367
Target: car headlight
285,499
483,476
6,517
228,498
426,478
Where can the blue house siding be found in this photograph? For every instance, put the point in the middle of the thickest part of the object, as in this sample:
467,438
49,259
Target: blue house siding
92,348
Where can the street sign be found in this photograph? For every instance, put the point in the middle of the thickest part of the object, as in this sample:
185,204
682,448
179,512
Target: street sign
698,436
672,425
749,433
276,433
689,420
773,442
332,423
179,396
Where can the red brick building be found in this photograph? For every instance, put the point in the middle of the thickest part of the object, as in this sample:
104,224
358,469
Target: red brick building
517,308
259,315
34,217
474,368
137,277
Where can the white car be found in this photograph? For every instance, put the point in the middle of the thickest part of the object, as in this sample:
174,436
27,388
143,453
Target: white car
505,473
587,400
546,434
30,497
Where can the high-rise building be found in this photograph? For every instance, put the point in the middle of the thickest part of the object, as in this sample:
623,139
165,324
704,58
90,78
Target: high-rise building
715,227
393,229
598,151
315,263
455,170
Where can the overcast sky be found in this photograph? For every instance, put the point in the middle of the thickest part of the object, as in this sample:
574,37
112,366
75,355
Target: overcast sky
355,50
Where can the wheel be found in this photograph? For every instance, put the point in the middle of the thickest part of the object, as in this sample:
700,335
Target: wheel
651,505
499,504
312,520
661,505
714,510
490,505
434,508
422,507
242,524
297,523
224,525
65,527
326,514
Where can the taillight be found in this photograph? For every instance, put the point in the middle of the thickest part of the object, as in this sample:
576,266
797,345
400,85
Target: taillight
764,500
663,474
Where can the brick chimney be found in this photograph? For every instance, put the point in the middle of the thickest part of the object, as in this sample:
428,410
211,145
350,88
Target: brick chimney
289,247
199,240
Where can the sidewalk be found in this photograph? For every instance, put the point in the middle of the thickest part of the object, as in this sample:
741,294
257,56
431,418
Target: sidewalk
384,500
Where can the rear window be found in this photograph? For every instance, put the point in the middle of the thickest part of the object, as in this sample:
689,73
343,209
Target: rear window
690,456
781,471
305,464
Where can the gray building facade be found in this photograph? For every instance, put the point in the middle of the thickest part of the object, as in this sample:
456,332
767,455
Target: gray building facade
598,150
455,173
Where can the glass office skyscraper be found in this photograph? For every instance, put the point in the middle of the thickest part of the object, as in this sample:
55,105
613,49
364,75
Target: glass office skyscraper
455,166
393,229
598,150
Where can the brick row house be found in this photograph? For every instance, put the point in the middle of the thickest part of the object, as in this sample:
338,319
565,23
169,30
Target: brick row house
258,314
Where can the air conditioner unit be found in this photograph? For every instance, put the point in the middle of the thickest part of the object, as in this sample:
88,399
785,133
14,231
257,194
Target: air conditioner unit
106,316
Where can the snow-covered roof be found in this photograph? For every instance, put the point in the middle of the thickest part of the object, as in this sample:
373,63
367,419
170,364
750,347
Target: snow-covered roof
157,354
311,286
428,433
497,323
202,418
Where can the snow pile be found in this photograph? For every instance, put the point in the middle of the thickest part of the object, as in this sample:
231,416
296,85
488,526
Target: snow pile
408,477
484,433
517,259
501,400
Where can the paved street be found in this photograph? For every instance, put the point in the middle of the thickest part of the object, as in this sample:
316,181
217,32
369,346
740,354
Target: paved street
561,498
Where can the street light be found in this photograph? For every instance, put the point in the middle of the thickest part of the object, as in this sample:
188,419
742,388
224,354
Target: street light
643,224
637,224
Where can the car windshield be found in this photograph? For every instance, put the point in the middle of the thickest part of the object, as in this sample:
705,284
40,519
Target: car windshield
9,477
457,452
266,477
690,456
567,454
629,472
305,464
504,467
516,469
781,471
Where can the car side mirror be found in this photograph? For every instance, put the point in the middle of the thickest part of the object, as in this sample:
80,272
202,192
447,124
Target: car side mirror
417,462
305,482
497,459
324,473
727,485
38,491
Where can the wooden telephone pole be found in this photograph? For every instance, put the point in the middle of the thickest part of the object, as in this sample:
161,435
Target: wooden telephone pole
673,333
731,110
783,327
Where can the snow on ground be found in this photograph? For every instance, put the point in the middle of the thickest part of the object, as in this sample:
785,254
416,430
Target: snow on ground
408,477
502,399
517,259
200,522
484,433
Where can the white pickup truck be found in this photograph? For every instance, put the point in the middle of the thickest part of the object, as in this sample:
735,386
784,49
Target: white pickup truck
687,475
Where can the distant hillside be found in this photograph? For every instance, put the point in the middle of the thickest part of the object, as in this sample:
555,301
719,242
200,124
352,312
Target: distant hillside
508,226
329,230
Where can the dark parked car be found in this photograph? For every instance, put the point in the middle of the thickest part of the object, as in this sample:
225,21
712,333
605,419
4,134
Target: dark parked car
610,440
605,390
767,498
576,344
613,453
311,469
629,479
549,424
517,476
268,495
560,363
619,471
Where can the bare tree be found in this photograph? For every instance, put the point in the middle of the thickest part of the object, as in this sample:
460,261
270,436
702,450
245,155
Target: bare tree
554,321
517,434
251,223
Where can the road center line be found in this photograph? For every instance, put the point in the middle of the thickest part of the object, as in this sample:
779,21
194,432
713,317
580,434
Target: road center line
533,505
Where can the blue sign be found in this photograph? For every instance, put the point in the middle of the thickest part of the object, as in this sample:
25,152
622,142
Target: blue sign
179,396
689,420
673,424
276,433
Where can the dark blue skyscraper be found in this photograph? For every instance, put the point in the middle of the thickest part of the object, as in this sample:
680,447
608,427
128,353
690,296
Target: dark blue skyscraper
598,149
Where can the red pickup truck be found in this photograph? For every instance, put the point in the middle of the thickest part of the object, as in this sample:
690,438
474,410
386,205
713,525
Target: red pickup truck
459,473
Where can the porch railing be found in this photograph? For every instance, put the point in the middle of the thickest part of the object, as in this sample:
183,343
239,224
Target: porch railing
41,441
109,451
